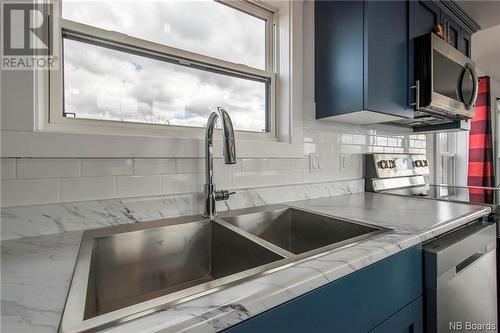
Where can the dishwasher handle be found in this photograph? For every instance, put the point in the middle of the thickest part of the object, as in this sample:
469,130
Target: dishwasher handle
447,256
468,262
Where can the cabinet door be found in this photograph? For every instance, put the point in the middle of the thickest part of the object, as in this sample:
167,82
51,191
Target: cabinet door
426,15
465,42
452,30
407,320
353,304
386,65
338,57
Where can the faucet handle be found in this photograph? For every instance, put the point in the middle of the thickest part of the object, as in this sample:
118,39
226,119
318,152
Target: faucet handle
223,195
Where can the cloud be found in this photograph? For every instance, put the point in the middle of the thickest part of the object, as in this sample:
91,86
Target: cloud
201,26
102,83
106,84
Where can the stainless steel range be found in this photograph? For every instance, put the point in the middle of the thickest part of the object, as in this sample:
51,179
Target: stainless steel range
396,173
408,175
460,268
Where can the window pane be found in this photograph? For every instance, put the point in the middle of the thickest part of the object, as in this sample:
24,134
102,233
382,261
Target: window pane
204,27
104,83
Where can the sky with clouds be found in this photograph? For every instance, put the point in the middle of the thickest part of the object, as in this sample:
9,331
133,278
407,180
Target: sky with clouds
103,83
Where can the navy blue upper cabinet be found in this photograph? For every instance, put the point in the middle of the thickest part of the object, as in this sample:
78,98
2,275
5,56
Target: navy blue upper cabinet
364,63
426,14
362,60
386,57
464,44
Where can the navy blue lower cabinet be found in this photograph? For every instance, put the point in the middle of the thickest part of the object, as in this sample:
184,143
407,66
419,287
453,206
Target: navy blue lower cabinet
407,320
358,302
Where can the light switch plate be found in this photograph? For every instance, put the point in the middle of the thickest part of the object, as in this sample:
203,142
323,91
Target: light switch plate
315,162
344,162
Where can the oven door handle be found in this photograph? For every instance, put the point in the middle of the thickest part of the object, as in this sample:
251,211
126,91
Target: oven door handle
470,67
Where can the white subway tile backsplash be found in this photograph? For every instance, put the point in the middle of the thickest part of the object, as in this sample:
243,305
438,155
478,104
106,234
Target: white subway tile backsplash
311,135
8,167
19,192
309,148
222,180
293,177
256,178
254,164
90,179
347,138
47,168
420,144
107,167
286,164
88,188
221,166
190,165
131,186
329,137
359,139
355,150
183,183
154,166
381,141
392,142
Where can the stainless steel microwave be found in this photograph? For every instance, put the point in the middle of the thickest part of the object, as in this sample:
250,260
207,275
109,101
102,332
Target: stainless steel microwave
446,81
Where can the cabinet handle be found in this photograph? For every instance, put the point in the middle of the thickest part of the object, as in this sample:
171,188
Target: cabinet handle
417,95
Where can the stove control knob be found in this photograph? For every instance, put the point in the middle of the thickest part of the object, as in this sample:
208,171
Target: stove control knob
383,164
425,163
418,163
392,164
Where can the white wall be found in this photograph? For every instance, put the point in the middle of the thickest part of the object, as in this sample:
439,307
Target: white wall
28,181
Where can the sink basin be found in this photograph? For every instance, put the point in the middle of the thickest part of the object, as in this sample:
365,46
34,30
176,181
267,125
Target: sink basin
132,267
118,274
299,231
127,271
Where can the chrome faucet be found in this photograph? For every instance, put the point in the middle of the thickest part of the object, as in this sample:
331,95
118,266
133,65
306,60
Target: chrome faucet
229,151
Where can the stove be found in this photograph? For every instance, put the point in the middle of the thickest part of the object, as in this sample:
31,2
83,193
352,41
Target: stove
407,175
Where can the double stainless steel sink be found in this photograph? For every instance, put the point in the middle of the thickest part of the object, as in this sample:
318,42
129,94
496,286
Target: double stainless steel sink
128,271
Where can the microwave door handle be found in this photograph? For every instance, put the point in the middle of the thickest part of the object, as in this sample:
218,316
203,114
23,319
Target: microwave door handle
475,87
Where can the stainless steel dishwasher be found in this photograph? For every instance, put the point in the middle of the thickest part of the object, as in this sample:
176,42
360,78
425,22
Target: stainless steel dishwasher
460,281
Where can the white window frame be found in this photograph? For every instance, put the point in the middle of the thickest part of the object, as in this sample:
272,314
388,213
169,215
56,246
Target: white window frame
448,155
53,119
26,131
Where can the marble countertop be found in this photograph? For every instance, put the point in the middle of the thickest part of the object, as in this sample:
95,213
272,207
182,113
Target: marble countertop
36,271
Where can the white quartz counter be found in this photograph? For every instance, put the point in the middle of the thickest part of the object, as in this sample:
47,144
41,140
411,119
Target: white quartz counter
36,271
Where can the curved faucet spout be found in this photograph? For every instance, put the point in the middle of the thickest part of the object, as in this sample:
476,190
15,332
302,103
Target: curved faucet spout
229,147
229,151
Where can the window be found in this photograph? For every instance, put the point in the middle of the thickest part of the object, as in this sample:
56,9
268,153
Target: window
165,63
446,153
